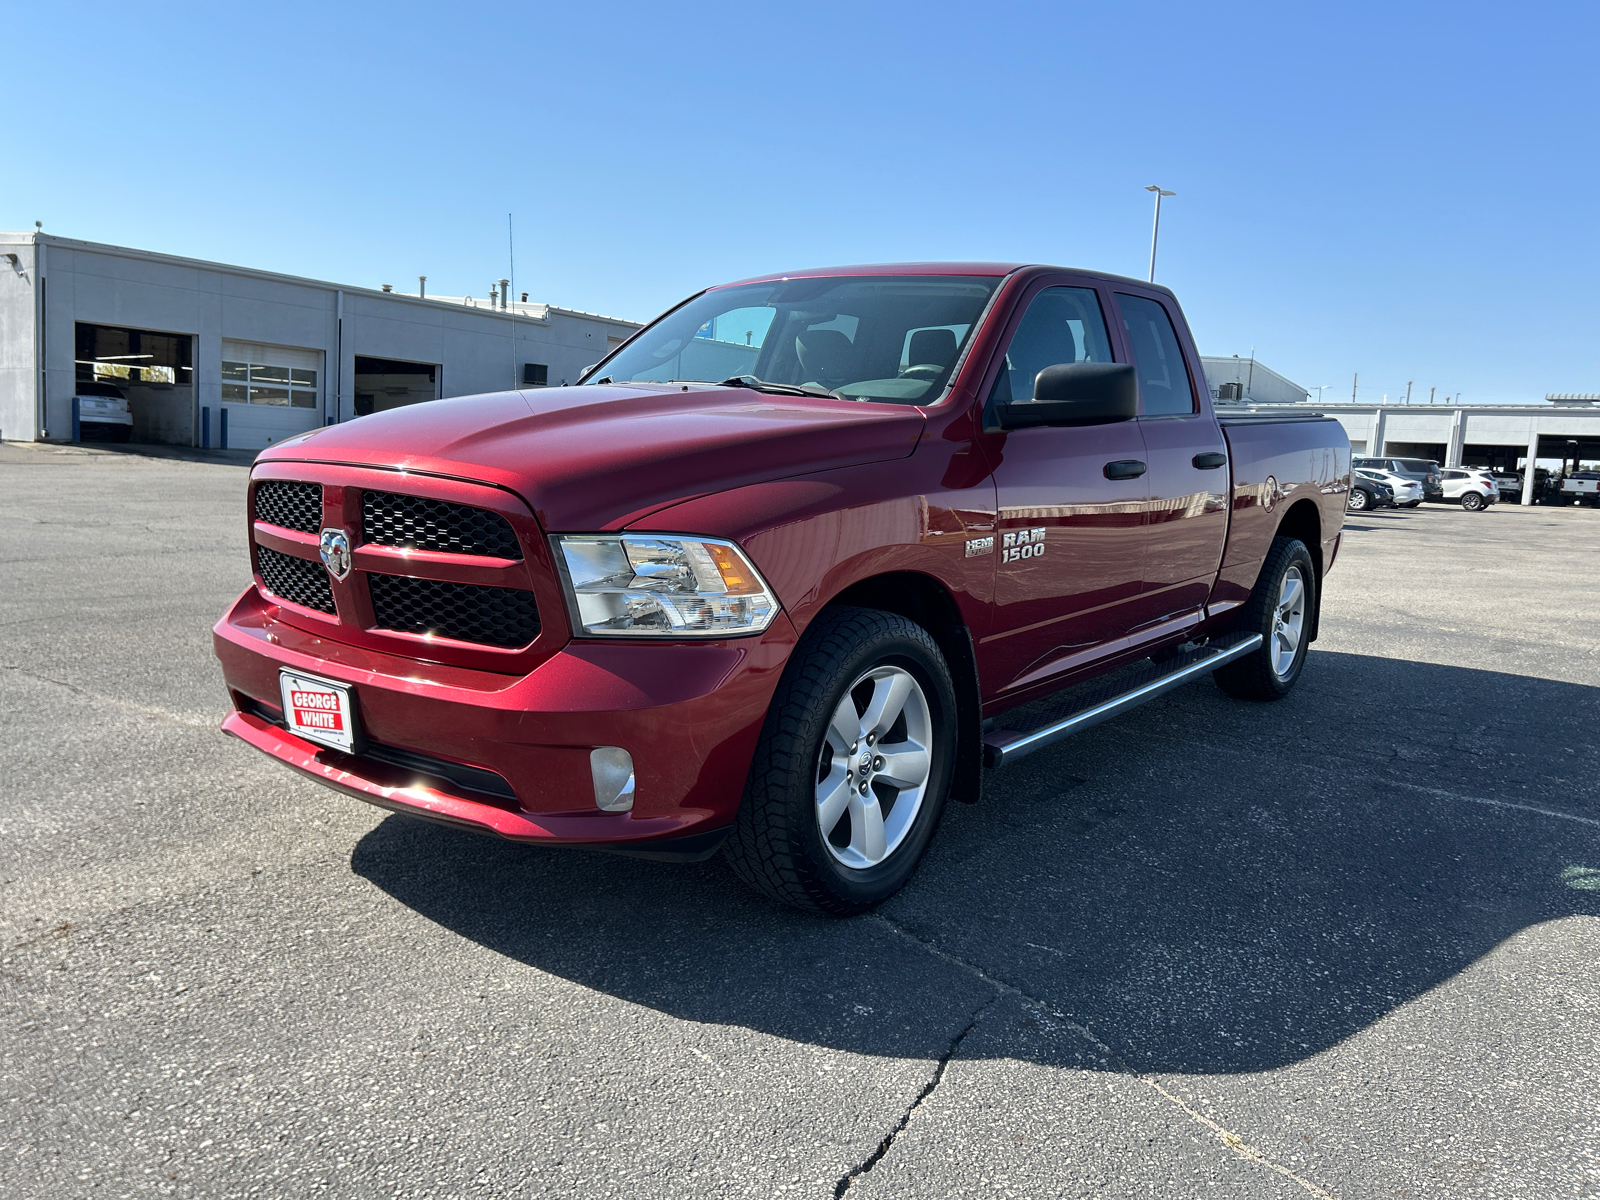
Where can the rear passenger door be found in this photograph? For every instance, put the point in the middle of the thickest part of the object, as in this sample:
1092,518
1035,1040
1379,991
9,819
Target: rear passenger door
1188,507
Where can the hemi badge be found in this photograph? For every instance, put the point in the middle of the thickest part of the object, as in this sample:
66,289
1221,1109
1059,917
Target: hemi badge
977,546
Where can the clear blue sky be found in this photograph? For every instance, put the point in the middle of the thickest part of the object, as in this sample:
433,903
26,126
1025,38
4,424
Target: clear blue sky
1408,191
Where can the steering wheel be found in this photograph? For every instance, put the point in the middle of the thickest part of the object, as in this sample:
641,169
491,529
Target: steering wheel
928,371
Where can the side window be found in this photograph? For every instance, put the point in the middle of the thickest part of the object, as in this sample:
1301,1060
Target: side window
1164,387
1062,325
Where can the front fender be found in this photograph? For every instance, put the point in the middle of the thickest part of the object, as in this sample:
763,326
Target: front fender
815,536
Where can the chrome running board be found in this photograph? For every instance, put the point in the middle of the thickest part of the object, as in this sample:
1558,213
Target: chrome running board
1076,709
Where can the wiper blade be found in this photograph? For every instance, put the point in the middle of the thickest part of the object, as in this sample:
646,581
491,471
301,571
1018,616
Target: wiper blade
781,389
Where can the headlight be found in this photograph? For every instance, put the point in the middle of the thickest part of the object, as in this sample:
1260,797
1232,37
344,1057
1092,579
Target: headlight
647,585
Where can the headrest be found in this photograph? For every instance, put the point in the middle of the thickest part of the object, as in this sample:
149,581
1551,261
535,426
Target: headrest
826,354
932,346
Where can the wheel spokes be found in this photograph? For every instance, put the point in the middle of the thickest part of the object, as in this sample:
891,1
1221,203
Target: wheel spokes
833,797
844,728
1293,592
866,826
1289,636
888,699
905,765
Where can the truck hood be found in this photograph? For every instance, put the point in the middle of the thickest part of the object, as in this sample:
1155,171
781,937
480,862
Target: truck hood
593,458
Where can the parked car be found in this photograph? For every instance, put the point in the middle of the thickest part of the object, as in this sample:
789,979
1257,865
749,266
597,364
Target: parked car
1424,470
103,413
1406,492
1581,487
1368,491
1510,485
1468,489
784,593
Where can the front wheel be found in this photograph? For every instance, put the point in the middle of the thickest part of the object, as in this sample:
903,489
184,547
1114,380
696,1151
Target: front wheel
1279,609
853,766
1357,501
1471,501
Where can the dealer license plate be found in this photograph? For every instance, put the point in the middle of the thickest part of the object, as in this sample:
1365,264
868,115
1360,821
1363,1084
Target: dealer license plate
318,710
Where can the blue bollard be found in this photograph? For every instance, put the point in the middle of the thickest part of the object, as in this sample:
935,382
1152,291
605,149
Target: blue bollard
222,428
205,427
76,432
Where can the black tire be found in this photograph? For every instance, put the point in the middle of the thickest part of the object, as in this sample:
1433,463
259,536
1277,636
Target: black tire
776,845
1471,501
1358,501
1255,676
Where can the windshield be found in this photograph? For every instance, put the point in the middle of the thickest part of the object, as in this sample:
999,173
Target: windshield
889,338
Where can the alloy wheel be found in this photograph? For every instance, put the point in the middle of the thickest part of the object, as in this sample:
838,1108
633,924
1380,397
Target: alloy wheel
873,767
1288,622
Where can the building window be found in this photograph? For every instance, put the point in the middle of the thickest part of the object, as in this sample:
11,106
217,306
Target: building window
535,374
280,376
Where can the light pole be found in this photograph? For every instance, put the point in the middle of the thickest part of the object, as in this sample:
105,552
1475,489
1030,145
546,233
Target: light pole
1319,389
1155,229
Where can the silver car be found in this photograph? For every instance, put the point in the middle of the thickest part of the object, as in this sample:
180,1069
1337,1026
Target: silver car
103,412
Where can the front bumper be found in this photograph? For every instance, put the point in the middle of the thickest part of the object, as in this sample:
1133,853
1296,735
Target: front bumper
688,713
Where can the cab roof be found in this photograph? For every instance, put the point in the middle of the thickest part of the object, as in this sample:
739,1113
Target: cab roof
990,269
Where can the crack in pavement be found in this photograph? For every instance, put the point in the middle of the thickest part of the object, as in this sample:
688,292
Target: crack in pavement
1226,1136
144,710
847,1180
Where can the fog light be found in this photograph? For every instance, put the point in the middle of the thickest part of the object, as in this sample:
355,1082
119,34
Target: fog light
612,768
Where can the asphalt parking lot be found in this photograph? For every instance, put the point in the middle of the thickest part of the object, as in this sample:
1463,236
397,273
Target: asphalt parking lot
1342,946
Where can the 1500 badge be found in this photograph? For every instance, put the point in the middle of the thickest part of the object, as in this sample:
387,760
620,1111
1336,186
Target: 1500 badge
1024,543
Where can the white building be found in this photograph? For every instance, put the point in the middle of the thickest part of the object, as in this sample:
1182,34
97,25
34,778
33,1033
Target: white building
195,344
1559,435
1247,380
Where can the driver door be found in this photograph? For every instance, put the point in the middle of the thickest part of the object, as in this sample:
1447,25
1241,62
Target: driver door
1070,559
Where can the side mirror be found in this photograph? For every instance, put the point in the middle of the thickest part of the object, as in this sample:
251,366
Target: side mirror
1082,393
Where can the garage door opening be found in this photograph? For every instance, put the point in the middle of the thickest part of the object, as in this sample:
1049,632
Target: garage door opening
384,383
1433,450
153,372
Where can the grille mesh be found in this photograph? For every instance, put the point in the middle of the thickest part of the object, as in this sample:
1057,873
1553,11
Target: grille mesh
491,616
299,579
417,523
290,505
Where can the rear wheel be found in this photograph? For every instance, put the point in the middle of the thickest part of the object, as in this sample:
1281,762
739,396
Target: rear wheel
853,767
1471,501
1279,609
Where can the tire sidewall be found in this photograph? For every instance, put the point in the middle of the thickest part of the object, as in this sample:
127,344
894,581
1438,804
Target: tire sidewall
861,888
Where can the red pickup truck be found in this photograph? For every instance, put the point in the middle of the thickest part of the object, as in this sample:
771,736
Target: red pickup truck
787,570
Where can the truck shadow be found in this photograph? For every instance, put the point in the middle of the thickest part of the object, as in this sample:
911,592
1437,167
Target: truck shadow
1209,886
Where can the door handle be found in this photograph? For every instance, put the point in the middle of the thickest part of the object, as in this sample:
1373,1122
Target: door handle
1125,468
1210,461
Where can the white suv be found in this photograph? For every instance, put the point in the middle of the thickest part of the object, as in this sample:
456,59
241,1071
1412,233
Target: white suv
103,412
1473,490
